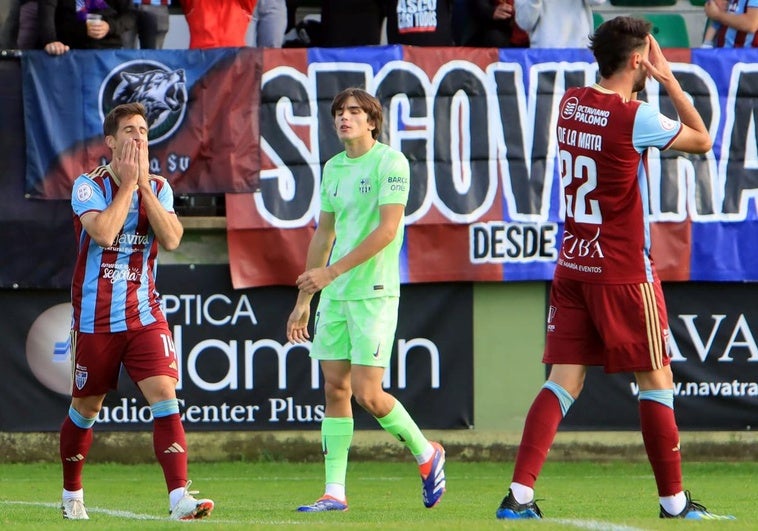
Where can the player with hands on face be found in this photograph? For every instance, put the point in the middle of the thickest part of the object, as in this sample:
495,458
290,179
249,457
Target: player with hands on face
121,214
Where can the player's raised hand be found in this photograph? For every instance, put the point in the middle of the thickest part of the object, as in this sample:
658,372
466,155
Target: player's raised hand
144,162
126,163
657,65
297,324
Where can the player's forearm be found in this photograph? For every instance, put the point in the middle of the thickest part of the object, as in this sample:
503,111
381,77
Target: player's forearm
303,298
104,226
377,240
168,229
318,250
687,112
166,225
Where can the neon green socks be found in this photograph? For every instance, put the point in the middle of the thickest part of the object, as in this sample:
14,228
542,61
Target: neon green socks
400,424
336,436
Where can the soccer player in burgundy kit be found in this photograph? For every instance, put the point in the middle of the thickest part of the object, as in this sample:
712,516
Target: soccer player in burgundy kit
121,213
606,302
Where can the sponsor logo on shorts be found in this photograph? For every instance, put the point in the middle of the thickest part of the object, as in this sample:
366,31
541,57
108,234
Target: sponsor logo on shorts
376,352
378,287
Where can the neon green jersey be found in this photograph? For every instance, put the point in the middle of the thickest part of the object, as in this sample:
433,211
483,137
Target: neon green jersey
354,189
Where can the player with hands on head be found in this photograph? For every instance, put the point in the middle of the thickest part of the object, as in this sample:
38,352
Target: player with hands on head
353,259
121,213
606,302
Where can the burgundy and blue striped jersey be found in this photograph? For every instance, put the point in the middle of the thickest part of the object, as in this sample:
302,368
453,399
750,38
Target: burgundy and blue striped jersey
113,288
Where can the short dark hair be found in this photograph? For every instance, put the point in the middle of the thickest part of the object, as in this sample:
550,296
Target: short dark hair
366,101
110,124
615,40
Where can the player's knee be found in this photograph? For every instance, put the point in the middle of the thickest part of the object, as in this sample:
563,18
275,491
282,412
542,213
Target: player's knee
370,401
337,392
89,411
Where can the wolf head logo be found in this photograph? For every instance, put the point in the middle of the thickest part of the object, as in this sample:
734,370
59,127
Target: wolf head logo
160,89
160,92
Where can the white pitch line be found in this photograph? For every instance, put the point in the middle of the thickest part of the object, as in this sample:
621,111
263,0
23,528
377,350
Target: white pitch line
137,516
593,524
119,514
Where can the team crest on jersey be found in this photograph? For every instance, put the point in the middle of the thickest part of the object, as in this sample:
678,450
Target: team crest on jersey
666,123
569,107
80,376
161,90
83,192
365,186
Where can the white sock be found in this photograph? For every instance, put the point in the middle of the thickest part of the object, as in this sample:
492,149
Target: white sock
426,455
522,493
674,504
73,494
335,490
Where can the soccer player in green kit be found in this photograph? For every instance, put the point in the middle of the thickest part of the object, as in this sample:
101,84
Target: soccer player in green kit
364,190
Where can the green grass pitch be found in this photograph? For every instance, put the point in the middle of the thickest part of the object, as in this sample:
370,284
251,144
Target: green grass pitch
615,496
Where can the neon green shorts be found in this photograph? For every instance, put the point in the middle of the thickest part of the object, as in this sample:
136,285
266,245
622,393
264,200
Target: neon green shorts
360,331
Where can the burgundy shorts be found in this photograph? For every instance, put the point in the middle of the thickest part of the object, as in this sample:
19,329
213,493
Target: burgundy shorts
623,327
98,358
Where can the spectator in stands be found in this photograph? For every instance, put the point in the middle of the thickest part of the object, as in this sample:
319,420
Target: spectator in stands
218,23
564,24
20,28
350,23
734,23
151,24
63,24
269,23
491,23
423,24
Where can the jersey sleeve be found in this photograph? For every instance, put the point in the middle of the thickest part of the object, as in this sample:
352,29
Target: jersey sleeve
652,129
394,179
165,194
325,193
86,196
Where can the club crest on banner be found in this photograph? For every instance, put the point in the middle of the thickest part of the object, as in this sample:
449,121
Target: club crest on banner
160,89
